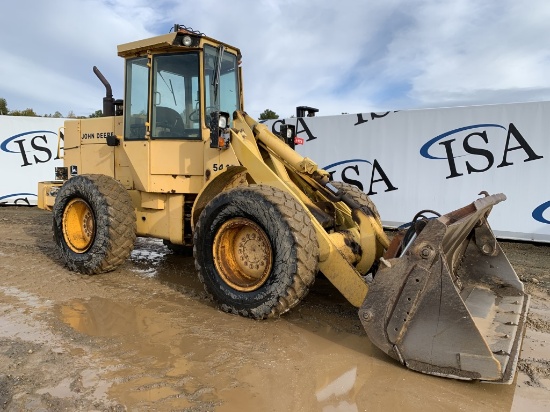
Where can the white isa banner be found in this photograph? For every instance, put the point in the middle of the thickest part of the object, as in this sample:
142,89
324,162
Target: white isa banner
441,159
28,154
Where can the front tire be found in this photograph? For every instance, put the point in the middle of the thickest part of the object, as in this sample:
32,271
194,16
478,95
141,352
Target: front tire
94,223
256,251
359,196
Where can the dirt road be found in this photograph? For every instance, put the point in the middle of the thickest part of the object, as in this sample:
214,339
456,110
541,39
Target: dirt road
146,338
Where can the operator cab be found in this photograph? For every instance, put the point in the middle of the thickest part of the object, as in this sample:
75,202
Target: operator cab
175,82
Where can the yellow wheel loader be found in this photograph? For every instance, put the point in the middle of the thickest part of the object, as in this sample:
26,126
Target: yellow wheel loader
170,162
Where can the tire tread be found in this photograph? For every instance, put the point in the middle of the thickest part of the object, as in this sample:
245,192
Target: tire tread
286,207
115,223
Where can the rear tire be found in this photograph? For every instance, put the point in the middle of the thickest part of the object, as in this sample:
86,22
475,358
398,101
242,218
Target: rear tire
94,223
256,251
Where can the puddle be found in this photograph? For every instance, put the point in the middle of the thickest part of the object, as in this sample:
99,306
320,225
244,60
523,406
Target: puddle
339,386
11,326
101,317
173,352
180,353
151,259
61,390
147,256
26,298
15,306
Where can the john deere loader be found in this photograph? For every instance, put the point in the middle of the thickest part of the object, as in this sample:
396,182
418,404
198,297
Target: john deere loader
178,159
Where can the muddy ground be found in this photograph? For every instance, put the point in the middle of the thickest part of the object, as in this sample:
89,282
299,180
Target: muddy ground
146,338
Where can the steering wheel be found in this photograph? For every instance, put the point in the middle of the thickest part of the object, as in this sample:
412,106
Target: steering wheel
194,116
169,121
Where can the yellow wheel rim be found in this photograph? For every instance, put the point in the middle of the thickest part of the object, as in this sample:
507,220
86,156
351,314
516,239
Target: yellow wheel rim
242,254
78,225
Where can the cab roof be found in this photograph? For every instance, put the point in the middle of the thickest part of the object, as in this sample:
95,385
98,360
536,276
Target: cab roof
170,41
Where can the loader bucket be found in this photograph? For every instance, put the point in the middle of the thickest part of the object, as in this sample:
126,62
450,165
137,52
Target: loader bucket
451,304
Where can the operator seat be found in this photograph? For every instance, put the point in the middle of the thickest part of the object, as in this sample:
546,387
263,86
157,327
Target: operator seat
168,123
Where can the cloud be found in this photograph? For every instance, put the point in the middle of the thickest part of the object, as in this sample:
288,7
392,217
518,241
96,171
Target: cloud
343,56
473,52
49,50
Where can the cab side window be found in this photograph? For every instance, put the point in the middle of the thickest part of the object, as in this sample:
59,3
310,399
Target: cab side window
136,99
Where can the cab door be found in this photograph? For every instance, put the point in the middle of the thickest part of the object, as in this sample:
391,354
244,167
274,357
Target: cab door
162,131
176,148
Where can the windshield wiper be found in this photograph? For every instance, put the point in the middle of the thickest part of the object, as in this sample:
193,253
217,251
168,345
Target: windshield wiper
216,77
172,90
170,87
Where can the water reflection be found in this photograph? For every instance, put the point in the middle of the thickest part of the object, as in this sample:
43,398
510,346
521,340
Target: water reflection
341,386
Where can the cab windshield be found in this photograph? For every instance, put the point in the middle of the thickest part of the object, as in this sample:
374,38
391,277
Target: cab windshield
175,111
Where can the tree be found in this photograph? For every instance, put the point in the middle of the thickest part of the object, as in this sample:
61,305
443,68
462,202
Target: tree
56,115
71,115
27,112
97,113
3,106
5,111
268,114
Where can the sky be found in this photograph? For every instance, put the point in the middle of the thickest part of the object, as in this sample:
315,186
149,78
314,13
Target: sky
344,56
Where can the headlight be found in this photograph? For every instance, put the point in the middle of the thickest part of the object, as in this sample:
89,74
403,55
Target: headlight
219,130
187,41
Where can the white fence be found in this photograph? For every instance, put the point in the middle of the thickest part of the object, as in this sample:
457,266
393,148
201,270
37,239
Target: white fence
441,159
28,151
410,160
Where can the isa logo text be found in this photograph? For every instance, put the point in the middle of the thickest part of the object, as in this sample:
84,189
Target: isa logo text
476,148
33,147
357,171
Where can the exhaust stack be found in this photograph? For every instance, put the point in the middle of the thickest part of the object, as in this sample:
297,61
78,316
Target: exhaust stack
108,101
